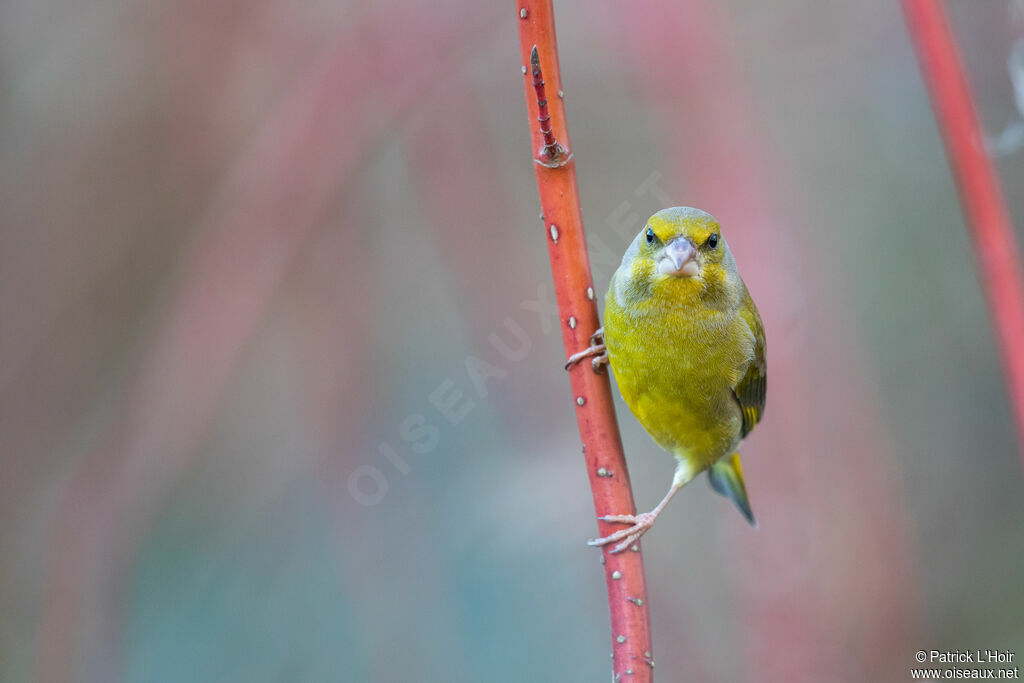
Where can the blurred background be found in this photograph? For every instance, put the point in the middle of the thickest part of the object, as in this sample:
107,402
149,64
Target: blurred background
250,251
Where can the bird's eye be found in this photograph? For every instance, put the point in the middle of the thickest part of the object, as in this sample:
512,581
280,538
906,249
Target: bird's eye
650,236
712,241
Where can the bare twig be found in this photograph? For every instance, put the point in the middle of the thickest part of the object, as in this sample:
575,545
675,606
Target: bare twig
574,291
988,221
551,154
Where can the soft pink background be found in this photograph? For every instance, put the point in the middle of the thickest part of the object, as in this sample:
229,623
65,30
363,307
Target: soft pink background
243,244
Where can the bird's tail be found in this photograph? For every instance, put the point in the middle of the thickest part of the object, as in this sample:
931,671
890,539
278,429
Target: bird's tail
726,478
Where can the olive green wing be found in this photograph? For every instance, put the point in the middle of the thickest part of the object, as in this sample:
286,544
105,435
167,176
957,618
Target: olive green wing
751,390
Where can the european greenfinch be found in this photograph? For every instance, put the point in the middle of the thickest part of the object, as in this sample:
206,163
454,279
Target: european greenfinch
686,344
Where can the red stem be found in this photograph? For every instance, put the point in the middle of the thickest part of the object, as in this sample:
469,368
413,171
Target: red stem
551,151
983,206
591,392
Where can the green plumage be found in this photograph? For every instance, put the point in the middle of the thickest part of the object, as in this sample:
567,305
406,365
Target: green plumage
687,346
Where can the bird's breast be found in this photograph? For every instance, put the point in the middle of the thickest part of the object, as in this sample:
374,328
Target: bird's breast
675,369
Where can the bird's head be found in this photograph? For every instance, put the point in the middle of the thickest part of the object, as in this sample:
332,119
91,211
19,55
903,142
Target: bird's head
682,242
680,252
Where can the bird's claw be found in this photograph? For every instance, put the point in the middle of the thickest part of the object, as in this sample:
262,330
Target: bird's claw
640,524
619,519
597,349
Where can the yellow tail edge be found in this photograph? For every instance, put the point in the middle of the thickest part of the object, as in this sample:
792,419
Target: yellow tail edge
726,478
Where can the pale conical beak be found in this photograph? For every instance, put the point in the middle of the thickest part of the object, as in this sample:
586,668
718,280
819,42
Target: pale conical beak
679,258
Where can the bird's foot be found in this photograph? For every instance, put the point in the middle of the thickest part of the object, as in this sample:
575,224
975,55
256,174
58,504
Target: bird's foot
640,524
596,349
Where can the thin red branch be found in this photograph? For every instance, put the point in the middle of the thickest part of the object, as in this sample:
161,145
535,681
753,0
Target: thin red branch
574,291
552,152
987,218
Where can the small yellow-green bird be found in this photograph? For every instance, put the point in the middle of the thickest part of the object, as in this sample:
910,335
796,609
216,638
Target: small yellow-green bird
687,347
